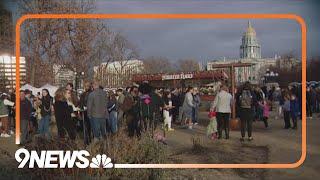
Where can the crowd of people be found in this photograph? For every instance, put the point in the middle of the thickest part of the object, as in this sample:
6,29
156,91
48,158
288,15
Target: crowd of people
96,113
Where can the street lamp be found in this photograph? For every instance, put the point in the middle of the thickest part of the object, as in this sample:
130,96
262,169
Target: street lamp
269,74
79,76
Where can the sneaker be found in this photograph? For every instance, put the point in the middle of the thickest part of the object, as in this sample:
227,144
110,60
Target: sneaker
250,138
11,132
196,123
190,127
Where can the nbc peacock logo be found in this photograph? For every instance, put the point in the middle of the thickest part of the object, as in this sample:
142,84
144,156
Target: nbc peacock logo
101,161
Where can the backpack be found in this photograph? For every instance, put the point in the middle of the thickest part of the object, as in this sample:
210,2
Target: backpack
245,99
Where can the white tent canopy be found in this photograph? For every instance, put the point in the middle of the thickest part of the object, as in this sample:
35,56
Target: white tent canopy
31,88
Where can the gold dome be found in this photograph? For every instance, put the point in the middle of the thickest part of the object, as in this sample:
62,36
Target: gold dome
250,30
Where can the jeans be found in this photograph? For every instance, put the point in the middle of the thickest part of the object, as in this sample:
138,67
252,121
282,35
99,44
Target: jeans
246,119
286,117
43,126
223,122
24,130
195,112
98,126
112,121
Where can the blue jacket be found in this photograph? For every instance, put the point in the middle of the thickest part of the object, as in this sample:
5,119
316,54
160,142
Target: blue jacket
294,107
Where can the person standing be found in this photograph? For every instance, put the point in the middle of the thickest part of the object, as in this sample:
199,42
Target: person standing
245,101
4,114
222,105
286,111
74,98
294,110
187,107
181,97
266,112
167,110
83,107
25,115
120,99
97,111
45,106
132,111
62,113
112,109
196,101
309,103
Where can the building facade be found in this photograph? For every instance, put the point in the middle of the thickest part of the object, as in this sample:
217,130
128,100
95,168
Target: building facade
118,73
250,52
8,72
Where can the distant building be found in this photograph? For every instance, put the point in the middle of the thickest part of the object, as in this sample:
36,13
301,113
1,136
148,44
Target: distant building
118,73
8,72
62,75
6,33
250,52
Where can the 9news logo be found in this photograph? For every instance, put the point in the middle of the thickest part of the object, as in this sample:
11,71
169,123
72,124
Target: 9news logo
61,159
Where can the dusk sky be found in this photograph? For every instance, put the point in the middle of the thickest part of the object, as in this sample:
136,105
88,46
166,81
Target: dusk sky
207,40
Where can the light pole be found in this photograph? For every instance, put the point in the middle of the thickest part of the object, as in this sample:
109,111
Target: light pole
269,75
79,76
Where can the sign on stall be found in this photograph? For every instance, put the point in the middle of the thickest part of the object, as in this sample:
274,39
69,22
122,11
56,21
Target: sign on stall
177,76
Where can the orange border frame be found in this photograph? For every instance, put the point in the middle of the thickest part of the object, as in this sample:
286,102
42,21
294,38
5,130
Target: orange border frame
299,19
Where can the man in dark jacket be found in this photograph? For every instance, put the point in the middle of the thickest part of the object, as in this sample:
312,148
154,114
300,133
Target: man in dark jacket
25,114
83,105
97,111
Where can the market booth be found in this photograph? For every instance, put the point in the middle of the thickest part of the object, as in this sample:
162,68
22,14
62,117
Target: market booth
183,79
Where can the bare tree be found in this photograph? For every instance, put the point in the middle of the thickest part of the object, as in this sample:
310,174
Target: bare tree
188,65
77,44
153,65
120,64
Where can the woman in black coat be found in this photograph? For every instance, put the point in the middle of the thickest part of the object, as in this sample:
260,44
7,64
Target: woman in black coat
62,112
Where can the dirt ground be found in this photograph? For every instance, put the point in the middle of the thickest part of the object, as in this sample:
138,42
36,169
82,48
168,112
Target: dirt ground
272,145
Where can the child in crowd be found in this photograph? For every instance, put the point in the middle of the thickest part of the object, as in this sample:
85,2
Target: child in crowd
212,127
266,111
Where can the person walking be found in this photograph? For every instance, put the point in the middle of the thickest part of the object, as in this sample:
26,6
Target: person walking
222,106
4,114
62,113
245,101
45,107
97,111
25,115
187,107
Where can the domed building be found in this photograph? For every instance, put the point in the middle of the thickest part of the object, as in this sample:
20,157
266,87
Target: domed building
250,47
250,52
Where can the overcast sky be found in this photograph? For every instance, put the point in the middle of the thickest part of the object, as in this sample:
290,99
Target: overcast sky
213,39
